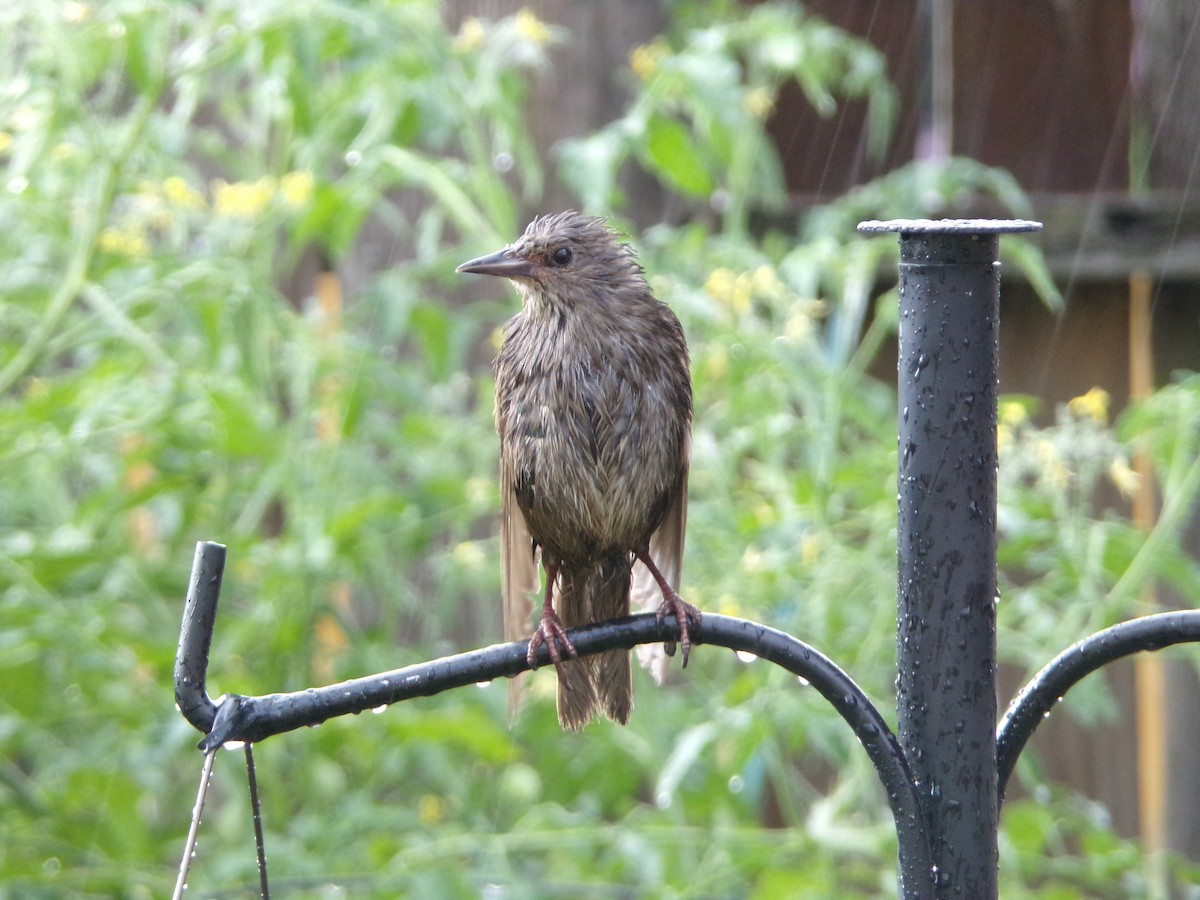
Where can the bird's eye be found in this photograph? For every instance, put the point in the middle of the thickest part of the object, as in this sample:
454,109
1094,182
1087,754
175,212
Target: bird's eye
562,256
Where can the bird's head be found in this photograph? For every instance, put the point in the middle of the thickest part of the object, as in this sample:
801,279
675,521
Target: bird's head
566,261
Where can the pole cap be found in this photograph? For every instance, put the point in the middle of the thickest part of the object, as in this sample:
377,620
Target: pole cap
948,226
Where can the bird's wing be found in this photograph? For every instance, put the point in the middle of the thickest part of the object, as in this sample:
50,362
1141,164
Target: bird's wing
666,549
518,575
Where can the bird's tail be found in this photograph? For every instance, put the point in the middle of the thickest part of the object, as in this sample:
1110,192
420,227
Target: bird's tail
602,682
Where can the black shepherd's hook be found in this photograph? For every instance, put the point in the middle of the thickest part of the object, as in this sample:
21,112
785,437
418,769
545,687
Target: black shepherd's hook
1033,703
250,719
946,772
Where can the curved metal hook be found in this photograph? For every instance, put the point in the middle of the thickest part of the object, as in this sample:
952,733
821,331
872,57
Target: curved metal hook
195,636
249,719
1034,701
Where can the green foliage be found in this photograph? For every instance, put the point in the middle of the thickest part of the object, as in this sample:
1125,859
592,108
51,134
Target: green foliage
174,177
1066,568
1062,846
702,96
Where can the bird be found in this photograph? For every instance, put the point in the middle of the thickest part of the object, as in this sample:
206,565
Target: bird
594,414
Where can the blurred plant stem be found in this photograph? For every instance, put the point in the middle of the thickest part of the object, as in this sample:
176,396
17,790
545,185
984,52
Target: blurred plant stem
92,215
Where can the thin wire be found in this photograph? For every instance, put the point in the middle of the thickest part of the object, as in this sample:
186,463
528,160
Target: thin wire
256,812
189,847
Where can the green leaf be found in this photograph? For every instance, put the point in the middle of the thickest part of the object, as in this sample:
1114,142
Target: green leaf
590,166
1023,254
676,158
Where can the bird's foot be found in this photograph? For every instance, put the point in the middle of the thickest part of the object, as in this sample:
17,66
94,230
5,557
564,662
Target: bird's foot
686,615
550,632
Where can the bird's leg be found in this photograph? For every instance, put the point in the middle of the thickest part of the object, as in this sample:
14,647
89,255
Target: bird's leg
550,629
672,603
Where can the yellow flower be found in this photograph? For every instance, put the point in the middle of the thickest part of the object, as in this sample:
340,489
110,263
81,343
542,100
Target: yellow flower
720,285
1092,405
74,12
1013,414
764,514
470,35
743,293
242,199
732,290
765,281
5,141
758,102
810,549
716,364
124,242
180,193
799,325
1054,469
645,59
468,555
531,28
1004,438
296,188
1125,478
430,809
478,490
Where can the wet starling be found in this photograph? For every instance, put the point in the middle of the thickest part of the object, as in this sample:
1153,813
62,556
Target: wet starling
594,410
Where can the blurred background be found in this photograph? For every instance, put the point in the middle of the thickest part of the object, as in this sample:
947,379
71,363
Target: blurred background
229,313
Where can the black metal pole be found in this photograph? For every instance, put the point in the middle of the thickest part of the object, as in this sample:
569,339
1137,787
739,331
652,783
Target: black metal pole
946,628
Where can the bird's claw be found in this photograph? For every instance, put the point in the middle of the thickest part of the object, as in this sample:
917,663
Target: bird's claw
550,632
686,615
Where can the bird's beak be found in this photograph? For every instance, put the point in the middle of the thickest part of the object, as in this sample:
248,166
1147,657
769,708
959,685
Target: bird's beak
504,263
